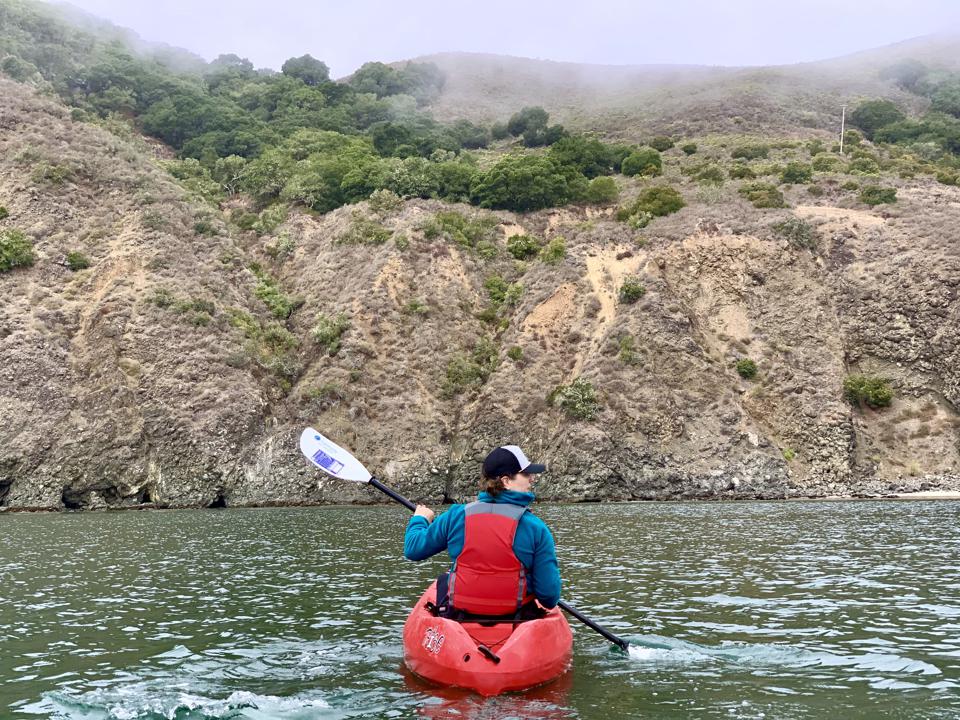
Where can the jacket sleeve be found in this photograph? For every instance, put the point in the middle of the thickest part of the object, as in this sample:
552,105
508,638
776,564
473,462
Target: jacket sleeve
546,570
423,539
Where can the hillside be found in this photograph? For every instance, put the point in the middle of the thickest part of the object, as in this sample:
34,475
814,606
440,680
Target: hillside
634,101
739,315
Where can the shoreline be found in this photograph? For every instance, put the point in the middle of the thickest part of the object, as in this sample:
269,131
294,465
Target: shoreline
900,496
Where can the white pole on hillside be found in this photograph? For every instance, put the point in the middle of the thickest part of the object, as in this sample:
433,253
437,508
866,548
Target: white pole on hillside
843,121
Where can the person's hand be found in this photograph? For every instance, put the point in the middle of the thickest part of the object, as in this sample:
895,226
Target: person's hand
424,511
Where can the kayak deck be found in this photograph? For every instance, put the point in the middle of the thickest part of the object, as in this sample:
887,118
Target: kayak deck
518,656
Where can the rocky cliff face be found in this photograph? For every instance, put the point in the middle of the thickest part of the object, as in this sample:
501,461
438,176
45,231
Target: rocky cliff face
159,376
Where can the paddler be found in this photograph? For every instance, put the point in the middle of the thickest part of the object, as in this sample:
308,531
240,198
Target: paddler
503,555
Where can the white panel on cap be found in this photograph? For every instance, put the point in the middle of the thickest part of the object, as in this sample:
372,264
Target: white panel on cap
518,454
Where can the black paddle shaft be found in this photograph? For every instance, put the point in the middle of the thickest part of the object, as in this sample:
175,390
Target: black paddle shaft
620,642
593,625
395,495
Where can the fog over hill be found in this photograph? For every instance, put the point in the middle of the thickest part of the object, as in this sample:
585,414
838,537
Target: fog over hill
629,100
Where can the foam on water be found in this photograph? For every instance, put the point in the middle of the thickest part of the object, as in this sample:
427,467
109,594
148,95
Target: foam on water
671,651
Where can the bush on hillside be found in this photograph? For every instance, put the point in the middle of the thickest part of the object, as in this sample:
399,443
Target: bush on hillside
796,173
750,152
578,399
867,390
661,143
588,155
876,195
15,250
872,115
554,251
472,233
465,372
740,171
763,195
328,331
603,191
631,291
689,148
523,247
528,118
643,161
77,261
4,213
526,182
746,368
826,163
657,201
799,233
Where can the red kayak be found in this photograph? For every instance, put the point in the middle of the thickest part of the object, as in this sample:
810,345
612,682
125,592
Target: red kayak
489,659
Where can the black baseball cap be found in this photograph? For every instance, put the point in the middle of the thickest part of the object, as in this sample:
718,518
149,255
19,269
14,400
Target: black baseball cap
509,460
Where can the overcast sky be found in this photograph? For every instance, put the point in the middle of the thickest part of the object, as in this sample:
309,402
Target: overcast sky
347,33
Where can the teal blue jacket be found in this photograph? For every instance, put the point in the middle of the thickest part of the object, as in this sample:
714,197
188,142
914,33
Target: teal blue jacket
533,544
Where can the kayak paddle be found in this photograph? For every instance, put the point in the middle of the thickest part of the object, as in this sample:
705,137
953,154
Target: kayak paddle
341,464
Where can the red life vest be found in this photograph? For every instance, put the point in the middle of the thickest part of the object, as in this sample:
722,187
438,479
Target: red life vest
487,578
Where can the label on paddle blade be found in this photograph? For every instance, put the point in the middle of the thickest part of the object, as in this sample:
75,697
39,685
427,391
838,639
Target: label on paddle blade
327,463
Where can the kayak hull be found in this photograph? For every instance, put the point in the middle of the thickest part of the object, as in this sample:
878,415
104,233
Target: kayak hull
447,652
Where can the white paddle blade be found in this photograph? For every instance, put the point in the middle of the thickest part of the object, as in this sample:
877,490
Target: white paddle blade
331,458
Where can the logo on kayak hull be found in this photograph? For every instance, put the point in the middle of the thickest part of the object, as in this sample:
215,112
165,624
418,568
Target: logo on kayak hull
433,640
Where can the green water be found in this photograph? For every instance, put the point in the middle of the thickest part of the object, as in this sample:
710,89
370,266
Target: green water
746,610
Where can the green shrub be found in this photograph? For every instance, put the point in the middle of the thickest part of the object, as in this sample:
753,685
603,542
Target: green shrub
661,143
789,454
658,201
281,248
815,191
796,173
746,368
515,353
826,163
523,247
626,346
526,182
383,202
469,371
554,251
501,292
602,191
77,261
741,172
750,152
15,250
364,231
763,195
850,185
799,233
852,139
867,390
872,115
471,233
644,161
270,219
863,166
279,304
416,307
947,178
876,195
710,174
578,399
4,213
631,291
53,174
815,147
328,331
689,148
